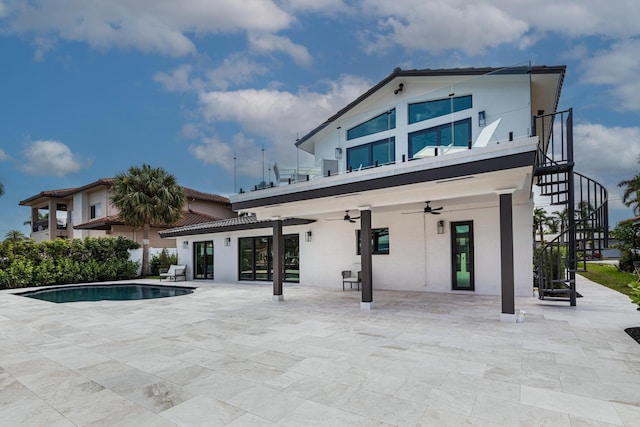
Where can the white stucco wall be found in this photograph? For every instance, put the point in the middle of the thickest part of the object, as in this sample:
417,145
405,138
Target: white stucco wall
419,258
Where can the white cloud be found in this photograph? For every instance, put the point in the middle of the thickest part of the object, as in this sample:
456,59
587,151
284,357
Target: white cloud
267,43
607,154
3,156
161,26
325,7
212,150
618,67
235,69
472,26
278,117
48,157
178,80
437,26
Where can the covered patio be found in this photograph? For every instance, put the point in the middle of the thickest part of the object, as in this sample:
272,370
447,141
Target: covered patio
227,355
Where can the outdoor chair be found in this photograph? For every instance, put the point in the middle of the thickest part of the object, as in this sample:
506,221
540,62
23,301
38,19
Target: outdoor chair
173,272
347,277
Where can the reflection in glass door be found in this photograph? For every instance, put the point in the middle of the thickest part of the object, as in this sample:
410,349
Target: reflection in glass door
203,260
462,255
263,258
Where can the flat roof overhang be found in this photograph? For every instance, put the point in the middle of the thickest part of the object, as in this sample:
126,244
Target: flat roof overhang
471,173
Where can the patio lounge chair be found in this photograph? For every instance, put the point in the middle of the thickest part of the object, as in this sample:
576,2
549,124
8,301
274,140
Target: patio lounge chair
347,277
173,272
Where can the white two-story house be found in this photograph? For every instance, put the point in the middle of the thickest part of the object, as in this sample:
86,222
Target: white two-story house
423,183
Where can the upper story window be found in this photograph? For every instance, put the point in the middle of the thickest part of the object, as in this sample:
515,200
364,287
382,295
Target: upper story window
441,136
430,109
96,211
365,155
384,121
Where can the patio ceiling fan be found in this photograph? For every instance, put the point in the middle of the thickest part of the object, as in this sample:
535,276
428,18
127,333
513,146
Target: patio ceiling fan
427,210
346,217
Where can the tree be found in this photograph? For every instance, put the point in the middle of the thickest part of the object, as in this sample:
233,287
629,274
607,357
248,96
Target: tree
553,224
631,196
563,220
1,189
147,196
14,236
539,219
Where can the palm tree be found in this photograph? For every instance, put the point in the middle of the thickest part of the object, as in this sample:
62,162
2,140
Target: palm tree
553,225
563,220
539,219
15,236
631,196
147,196
1,189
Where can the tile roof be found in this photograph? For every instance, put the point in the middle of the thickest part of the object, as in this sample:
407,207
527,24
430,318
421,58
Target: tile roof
245,222
108,182
189,218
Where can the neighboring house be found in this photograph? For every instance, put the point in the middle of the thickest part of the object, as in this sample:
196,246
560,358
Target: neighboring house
87,211
423,183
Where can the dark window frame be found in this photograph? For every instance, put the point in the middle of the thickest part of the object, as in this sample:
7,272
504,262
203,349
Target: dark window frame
459,104
376,233
390,115
196,272
445,127
370,153
471,261
269,277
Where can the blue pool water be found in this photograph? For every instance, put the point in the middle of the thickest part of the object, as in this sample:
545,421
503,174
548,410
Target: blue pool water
130,291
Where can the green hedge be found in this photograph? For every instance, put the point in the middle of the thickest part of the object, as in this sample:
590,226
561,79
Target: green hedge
93,259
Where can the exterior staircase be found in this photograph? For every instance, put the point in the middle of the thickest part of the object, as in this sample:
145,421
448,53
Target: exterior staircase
586,232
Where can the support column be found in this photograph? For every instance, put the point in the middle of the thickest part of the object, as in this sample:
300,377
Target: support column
506,258
365,259
53,220
278,260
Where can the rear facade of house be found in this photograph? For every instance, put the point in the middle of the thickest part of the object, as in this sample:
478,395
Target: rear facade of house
424,183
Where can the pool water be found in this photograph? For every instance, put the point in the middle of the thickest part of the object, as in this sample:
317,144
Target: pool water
130,291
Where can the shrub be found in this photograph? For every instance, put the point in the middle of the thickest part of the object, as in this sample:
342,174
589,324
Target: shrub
626,260
26,263
635,293
164,260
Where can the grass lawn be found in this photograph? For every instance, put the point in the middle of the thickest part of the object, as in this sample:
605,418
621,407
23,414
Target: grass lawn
609,276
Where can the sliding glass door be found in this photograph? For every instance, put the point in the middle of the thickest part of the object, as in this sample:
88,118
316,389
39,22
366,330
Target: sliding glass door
256,258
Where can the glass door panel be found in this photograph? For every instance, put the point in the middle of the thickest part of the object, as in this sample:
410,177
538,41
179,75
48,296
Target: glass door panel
203,260
262,259
246,259
462,255
291,259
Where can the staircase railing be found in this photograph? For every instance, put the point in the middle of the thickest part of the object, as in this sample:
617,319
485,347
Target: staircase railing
586,202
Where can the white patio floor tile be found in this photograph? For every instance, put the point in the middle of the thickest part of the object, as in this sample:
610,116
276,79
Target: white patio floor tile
228,355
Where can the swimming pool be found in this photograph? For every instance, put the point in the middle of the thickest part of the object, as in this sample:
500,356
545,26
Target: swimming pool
115,292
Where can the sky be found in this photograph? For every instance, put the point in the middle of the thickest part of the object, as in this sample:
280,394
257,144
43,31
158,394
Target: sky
91,88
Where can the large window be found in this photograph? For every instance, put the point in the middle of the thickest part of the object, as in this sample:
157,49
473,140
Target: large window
462,255
441,136
384,121
256,258
379,241
378,152
440,107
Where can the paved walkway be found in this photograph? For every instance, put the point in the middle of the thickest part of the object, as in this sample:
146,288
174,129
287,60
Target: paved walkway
228,355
